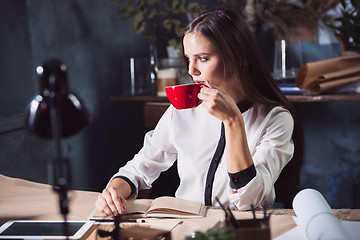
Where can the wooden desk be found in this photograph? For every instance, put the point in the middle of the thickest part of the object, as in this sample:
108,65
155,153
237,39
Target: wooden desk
21,199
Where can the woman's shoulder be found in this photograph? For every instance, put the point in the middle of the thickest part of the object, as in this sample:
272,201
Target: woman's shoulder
269,118
262,108
269,112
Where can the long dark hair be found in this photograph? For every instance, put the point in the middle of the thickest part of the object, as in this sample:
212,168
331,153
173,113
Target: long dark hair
228,31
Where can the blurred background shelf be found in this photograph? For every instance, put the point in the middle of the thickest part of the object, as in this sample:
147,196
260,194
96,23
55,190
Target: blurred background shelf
292,98
155,106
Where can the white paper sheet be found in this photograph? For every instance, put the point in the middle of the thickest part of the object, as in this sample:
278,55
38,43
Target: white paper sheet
316,220
351,227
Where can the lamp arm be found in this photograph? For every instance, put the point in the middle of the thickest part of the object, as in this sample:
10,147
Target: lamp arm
58,169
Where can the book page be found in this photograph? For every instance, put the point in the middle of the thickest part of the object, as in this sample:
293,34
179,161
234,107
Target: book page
174,205
137,205
170,207
133,206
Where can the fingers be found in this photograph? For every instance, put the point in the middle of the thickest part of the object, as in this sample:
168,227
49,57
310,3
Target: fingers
110,203
102,206
217,102
118,201
209,92
208,83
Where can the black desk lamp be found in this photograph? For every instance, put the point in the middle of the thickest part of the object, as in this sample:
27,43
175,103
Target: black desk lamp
57,113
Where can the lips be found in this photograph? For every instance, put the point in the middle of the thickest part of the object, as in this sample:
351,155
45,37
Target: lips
199,81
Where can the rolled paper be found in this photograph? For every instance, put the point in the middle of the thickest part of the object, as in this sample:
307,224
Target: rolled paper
315,217
324,75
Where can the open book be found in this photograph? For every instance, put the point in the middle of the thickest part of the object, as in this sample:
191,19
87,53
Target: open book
169,207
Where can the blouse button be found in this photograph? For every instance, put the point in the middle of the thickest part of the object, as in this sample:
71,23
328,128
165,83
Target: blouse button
207,185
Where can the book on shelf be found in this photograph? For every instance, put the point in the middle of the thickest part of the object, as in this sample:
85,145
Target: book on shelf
291,89
161,207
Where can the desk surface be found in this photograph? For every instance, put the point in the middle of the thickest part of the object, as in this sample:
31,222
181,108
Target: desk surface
25,200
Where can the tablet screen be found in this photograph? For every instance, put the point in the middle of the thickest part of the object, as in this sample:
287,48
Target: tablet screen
48,229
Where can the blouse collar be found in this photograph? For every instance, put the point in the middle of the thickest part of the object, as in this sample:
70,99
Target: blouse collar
244,106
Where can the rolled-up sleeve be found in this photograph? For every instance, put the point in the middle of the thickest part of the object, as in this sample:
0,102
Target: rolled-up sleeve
157,155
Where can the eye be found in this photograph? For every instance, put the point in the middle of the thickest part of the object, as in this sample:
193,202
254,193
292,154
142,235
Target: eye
203,59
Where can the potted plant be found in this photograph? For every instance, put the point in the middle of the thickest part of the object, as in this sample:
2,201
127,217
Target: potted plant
347,26
154,18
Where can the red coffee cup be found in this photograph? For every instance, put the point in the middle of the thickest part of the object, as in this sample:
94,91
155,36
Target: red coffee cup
184,96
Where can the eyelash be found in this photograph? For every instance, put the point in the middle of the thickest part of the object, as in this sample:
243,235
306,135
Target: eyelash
201,59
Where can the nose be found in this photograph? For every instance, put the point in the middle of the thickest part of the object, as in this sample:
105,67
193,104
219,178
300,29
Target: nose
193,70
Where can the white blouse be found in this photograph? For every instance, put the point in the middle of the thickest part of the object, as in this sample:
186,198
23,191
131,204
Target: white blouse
191,137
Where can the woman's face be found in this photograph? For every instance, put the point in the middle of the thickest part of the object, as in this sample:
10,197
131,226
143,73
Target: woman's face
205,62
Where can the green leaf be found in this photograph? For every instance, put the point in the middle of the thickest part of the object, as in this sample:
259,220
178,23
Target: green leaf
217,234
139,27
193,7
173,42
168,24
153,13
151,2
174,24
139,21
175,4
178,6
127,11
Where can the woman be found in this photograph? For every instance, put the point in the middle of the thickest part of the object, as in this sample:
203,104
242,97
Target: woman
235,144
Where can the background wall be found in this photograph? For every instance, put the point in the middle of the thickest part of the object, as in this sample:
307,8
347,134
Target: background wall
95,44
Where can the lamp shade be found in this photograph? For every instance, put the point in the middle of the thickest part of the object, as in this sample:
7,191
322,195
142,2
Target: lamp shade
55,94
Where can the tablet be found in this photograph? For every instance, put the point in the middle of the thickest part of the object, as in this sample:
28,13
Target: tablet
31,229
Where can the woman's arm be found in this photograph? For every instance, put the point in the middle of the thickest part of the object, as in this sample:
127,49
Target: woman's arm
112,199
156,156
222,106
237,150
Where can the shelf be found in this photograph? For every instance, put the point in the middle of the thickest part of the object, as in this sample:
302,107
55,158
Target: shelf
292,98
324,98
138,99
154,106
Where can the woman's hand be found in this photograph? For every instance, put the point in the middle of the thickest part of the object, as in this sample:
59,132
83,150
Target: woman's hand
112,199
221,105
218,103
110,202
